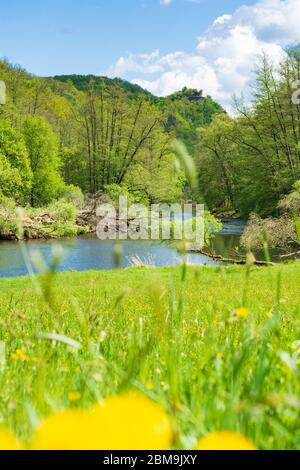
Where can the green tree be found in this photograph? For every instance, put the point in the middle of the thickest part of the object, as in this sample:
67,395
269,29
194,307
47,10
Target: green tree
15,172
248,162
41,144
216,164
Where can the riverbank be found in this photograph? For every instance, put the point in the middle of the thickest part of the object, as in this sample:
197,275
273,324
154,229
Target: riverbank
216,346
60,219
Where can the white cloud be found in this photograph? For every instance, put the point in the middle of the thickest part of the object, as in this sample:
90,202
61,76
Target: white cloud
143,63
225,56
222,19
166,2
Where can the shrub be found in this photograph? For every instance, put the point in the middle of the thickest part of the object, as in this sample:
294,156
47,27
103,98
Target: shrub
278,233
73,195
291,203
8,223
114,191
63,212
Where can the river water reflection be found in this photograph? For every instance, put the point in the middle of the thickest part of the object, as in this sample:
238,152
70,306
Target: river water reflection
87,253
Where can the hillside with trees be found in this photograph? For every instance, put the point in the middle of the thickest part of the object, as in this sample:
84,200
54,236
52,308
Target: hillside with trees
250,161
72,137
249,164
92,133
82,83
69,136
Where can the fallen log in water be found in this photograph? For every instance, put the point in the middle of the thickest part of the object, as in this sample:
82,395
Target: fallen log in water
240,261
290,255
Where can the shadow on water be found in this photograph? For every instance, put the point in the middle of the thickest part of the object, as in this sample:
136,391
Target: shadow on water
227,242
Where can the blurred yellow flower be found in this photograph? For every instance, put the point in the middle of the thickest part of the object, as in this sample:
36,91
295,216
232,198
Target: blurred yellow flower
224,441
67,430
19,355
8,441
242,312
133,422
149,386
74,396
128,422
22,355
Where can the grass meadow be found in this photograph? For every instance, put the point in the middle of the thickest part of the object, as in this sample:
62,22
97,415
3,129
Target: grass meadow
216,347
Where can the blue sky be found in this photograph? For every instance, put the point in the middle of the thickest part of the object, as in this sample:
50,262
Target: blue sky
85,36
162,45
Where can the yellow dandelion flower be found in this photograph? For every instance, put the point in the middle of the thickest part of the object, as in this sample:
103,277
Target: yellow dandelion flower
133,422
128,422
8,441
224,441
242,312
67,430
19,354
14,357
74,396
149,386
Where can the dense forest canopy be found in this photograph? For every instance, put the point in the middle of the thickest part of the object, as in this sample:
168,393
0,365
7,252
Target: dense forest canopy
82,83
248,162
108,135
93,133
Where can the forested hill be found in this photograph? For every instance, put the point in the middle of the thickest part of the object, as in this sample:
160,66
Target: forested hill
186,110
98,134
85,133
82,83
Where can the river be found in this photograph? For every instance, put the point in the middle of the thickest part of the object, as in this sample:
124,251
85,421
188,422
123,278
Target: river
87,253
